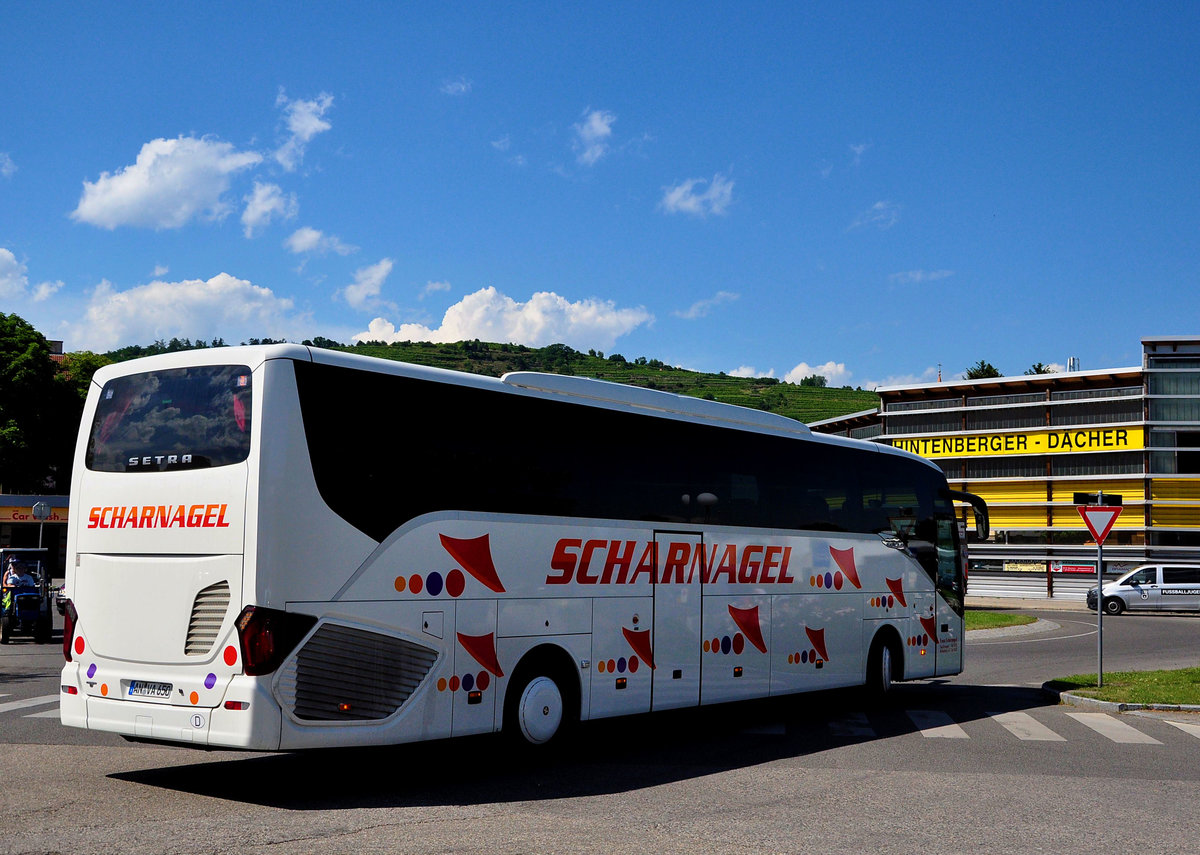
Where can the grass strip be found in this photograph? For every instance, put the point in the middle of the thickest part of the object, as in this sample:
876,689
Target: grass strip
995,620
1137,687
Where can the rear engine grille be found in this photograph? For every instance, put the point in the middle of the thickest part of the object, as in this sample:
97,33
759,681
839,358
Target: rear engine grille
347,674
208,613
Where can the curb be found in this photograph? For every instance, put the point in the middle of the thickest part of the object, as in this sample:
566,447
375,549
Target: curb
1075,700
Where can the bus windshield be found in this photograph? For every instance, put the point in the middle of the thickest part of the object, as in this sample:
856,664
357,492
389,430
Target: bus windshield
177,418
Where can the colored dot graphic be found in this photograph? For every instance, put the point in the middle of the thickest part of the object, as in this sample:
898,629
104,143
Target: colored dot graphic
918,640
618,666
91,671
467,682
887,602
231,655
726,644
804,657
833,581
454,583
210,681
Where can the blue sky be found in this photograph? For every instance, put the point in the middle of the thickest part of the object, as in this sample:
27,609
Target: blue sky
861,190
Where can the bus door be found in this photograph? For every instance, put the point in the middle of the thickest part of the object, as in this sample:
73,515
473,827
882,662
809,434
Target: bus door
678,564
951,590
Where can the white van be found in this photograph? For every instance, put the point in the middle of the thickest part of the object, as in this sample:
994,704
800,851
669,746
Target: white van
1152,587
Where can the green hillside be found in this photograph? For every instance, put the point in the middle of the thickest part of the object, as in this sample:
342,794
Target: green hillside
805,403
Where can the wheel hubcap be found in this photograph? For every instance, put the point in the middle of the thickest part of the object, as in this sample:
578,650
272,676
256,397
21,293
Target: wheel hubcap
540,711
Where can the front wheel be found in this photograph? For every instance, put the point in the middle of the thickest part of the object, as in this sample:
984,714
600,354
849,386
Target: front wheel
1114,606
881,668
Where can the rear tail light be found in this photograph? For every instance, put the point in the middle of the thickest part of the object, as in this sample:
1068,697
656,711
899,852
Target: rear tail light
267,636
70,617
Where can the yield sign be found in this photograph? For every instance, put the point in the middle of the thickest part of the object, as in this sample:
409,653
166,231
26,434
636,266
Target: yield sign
1099,519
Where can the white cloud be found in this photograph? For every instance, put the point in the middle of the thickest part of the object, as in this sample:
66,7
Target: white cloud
221,307
834,372
858,150
7,167
266,202
306,239
457,86
14,281
171,182
929,375
368,283
883,215
914,277
592,136
546,319
502,144
433,288
750,371
161,270
683,197
304,119
701,308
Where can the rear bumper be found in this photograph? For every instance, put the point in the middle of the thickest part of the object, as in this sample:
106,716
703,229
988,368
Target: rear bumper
257,727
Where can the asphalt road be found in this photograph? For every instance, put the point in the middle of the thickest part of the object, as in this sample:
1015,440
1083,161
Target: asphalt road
980,762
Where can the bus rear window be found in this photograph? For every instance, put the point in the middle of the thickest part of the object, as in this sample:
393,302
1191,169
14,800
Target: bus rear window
179,418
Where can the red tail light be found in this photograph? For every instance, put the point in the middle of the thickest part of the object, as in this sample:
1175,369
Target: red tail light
70,616
267,636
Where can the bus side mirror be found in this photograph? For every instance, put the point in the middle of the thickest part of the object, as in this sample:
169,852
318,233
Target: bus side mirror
982,525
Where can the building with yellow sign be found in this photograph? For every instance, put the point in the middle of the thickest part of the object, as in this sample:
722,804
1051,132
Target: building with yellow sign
1028,444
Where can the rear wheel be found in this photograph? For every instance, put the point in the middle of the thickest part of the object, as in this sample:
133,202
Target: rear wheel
541,705
1114,606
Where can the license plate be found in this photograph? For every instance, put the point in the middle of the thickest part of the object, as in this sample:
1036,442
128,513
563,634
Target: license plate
146,689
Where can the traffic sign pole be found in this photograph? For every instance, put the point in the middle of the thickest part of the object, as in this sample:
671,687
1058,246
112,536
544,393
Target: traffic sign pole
1099,518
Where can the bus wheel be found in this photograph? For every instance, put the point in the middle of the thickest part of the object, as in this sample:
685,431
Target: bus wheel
539,706
1114,606
881,667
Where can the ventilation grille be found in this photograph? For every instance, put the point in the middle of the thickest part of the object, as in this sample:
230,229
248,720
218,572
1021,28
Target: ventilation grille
346,674
208,613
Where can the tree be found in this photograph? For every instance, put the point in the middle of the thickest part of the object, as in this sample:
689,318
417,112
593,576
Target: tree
39,415
77,368
1039,368
981,370
818,380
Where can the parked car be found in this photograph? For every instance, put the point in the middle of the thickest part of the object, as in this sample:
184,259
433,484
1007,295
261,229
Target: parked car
1152,587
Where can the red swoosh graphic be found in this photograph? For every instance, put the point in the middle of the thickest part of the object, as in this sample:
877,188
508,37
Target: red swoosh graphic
896,587
747,621
930,625
475,556
817,637
483,649
639,640
845,560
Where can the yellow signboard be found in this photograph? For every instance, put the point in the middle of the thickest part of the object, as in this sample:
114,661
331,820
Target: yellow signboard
1054,441
24,514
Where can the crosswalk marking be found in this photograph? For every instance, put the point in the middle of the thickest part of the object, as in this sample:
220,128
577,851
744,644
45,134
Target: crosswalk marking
935,724
28,702
50,713
1186,726
1114,729
1025,727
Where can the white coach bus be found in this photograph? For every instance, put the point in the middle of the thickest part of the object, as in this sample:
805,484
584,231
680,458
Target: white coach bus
281,547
